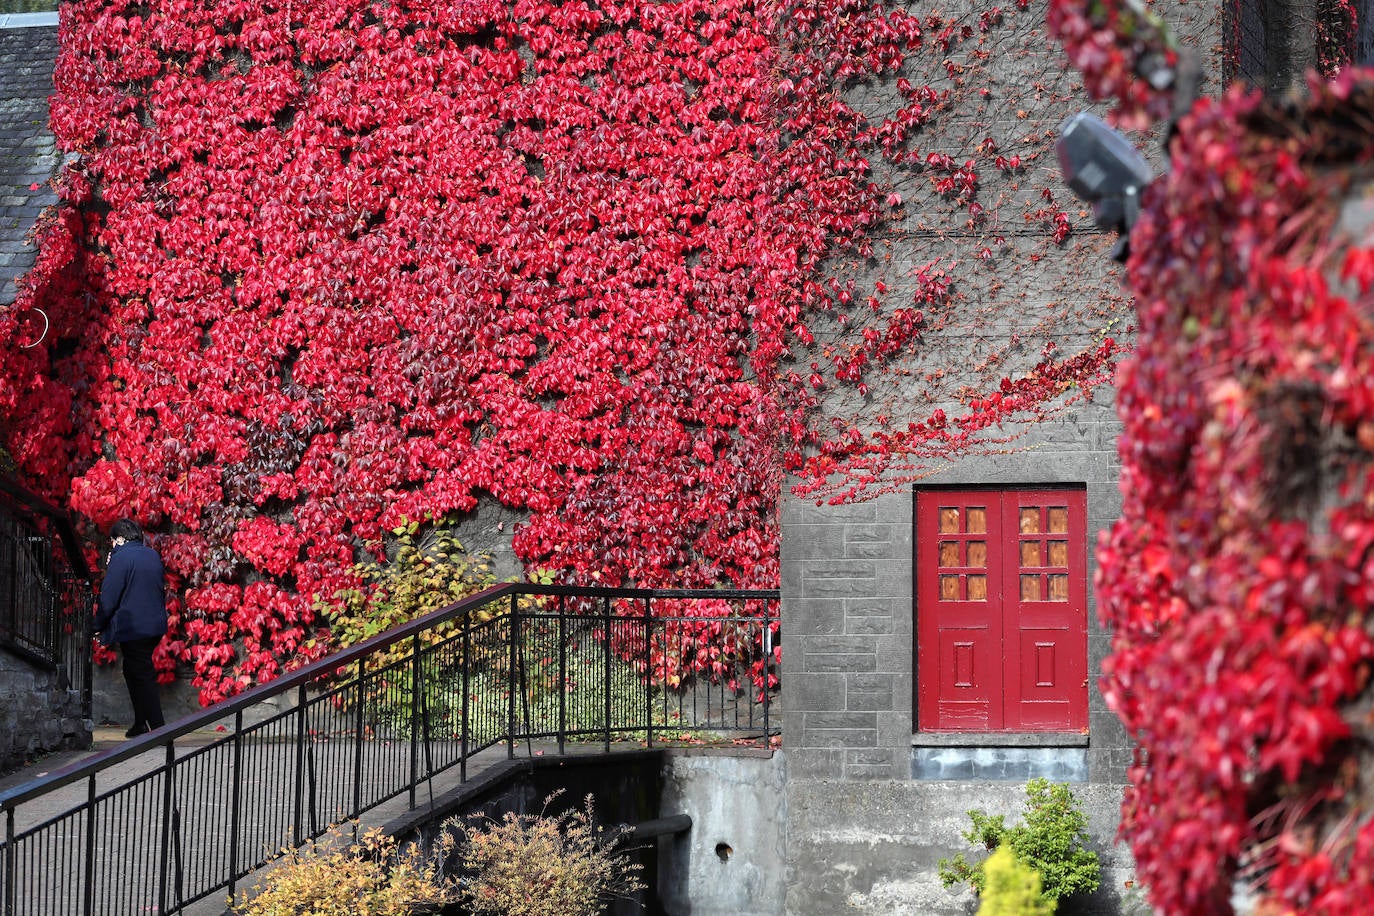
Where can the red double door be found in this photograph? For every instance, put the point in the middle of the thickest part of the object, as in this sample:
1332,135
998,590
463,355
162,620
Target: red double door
1001,591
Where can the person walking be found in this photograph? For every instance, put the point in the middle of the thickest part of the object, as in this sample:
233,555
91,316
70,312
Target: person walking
133,614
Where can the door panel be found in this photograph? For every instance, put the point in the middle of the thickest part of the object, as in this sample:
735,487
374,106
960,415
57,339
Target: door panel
1046,617
959,644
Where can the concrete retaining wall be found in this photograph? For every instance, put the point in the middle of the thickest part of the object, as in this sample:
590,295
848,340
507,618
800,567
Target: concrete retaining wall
731,863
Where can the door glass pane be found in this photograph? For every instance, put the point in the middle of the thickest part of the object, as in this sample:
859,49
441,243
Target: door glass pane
949,553
1030,520
1030,553
1059,553
1059,587
1059,519
978,588
949,521
949,588
977,520
1030,588
978,553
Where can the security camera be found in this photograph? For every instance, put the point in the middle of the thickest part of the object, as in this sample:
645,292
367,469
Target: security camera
1104,169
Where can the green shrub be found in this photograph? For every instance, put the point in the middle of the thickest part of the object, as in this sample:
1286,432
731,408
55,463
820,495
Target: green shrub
427,569
583,697
1012,889
372,878
542,865
1051,840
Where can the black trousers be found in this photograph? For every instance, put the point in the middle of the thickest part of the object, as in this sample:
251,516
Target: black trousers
141,680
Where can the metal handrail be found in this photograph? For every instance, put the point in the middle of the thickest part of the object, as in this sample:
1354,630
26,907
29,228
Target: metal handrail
45,596
349,742
61,520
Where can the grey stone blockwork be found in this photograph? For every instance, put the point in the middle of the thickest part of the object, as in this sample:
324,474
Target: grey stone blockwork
870,810
848,599
38,715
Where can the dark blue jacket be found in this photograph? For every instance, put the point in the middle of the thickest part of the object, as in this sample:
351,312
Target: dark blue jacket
132,601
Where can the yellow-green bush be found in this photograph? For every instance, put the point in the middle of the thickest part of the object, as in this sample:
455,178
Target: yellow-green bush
428,569
542,865
1011,888
373,878
1052,839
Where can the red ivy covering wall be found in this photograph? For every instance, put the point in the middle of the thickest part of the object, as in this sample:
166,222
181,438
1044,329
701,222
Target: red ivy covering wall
325,266
1239,578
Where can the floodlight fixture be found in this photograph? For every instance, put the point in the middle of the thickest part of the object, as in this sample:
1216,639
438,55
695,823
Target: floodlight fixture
1102,167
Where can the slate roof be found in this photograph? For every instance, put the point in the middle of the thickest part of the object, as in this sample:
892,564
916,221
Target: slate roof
28,153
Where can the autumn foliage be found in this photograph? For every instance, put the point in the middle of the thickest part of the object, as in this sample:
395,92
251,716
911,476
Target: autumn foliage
322,269
1238,579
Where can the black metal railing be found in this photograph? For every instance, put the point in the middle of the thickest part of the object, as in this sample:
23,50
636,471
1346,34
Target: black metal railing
187,812
45,588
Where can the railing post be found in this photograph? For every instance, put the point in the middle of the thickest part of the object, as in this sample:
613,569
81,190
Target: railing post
81,640
465,723
11,605
236,804
10,854
512,682
648,672
89,897
167,801
562,674
312,786
297,798
427,725
358,741
767,664
54,618
415,688
606,672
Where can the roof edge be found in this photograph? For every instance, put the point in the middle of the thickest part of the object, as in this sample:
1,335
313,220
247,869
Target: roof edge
27,20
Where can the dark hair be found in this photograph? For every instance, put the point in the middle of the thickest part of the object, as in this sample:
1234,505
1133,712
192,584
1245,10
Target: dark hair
127,529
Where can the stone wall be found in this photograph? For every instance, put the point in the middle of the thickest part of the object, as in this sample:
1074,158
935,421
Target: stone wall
848,602
871,804
38,714
872,848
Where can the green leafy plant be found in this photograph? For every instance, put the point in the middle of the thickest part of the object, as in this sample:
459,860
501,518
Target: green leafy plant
427,568
1011,888
582,692
1051,840
543,865
372,878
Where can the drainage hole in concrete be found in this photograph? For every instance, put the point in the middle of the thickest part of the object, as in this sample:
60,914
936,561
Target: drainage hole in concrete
723,850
